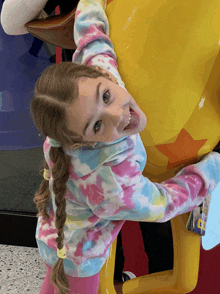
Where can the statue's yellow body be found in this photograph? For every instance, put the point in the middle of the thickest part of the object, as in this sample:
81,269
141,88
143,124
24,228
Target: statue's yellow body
168,57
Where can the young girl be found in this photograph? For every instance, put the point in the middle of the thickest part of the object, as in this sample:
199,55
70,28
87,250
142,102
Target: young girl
94,159
14,15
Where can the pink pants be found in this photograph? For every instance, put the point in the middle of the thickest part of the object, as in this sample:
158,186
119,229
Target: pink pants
88,285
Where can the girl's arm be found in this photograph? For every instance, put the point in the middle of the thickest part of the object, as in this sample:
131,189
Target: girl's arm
120,191
16,13
91,35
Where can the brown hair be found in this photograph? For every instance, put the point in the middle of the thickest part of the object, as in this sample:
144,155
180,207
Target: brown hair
55,89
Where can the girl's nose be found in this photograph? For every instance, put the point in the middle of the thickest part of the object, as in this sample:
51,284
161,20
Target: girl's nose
115,116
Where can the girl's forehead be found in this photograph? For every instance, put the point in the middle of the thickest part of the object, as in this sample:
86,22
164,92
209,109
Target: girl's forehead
91,80
88,85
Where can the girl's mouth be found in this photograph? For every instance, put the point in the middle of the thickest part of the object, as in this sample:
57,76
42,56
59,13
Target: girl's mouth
134,122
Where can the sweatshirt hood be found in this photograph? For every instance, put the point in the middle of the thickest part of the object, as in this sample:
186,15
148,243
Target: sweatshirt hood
87,159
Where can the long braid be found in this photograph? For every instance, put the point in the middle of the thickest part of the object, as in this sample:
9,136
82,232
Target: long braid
60,173
42,195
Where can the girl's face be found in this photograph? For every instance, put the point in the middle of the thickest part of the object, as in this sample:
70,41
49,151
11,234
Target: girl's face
104,111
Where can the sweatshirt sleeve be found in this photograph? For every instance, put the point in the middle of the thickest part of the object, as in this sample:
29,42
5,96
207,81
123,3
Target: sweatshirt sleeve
121,192
91,35
16,13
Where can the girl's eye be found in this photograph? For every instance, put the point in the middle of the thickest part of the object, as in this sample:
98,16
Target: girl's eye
106,95
98,124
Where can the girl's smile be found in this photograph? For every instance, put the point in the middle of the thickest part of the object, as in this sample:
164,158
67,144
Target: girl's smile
104,111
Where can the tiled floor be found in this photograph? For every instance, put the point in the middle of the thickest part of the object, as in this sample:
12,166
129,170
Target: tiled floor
21,270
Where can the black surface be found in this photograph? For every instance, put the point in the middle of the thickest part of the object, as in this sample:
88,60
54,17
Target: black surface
18,229
65,6
19,180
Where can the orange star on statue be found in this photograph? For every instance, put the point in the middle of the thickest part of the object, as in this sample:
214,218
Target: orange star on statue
183,150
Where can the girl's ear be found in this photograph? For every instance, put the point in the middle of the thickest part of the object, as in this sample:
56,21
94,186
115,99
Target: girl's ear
111,76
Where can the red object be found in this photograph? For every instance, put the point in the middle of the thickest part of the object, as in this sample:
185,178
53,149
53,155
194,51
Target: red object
136,260
58,49
209,272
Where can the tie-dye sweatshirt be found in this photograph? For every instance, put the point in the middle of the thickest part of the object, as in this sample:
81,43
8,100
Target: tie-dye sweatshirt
106,185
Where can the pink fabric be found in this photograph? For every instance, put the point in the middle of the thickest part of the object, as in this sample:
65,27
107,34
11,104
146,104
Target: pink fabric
88,285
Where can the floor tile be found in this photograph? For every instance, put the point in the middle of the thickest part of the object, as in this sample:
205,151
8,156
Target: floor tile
21,270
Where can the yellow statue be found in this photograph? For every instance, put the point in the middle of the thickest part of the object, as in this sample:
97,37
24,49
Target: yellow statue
168,57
